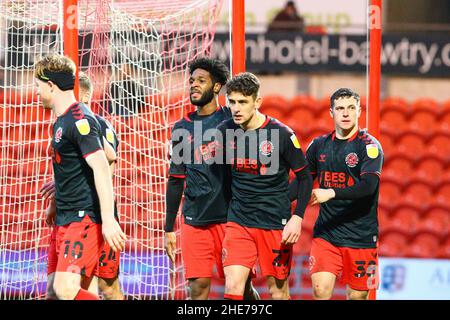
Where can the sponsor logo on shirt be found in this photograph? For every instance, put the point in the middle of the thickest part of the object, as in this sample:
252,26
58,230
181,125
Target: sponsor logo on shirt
109,135
58,135
206,151
329,179
83,127
263,170
295,141
352,160
246,165
372,151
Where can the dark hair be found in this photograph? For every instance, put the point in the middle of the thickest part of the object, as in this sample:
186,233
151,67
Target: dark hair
246,83
343,93
217,69
290,4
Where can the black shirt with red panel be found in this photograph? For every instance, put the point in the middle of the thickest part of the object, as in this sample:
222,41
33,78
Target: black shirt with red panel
340,164
207,191
260,161
76,135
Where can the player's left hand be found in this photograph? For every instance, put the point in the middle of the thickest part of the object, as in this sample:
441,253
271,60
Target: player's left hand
322,195
48,190
292,230
50,215
113,234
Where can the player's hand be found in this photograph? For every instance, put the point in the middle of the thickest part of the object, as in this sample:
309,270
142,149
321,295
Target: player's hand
322,195
48,190
292,230
50,214
170,244
113,234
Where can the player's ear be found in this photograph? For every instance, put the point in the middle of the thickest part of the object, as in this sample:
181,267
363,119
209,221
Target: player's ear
216,88
85,99
331,113
51,85
258,102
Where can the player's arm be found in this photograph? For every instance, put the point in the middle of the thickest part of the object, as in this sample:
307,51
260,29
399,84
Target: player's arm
293,154
50,213
86,134
174,193
112,232
48,190
111,155
365,187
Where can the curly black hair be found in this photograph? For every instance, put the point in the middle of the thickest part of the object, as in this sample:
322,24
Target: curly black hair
217,69
343,93
246,83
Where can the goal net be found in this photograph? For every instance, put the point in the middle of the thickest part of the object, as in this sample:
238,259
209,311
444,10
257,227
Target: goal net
137,55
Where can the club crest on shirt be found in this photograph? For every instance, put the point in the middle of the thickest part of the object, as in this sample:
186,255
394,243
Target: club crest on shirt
83,127
58,135
295,141
372,151
266,147
109,135
352,160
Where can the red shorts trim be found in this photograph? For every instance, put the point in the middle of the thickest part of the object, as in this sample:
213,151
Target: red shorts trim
201,249
358,268
78,247
108,264
52,255
243,246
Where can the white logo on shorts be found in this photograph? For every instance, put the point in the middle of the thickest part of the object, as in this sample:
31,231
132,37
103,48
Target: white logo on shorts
224,254
312,262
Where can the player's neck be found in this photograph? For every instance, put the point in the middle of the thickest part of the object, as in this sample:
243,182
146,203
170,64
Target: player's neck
345,134
208,109
255,122
62,101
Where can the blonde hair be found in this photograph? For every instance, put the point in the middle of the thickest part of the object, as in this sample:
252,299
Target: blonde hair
84,81
54,63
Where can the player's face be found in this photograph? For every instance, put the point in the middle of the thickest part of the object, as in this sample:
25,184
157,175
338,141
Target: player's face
201,88
43,90
243,107
85,96
345,113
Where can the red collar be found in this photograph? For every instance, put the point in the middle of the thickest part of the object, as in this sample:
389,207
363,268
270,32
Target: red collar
266,122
